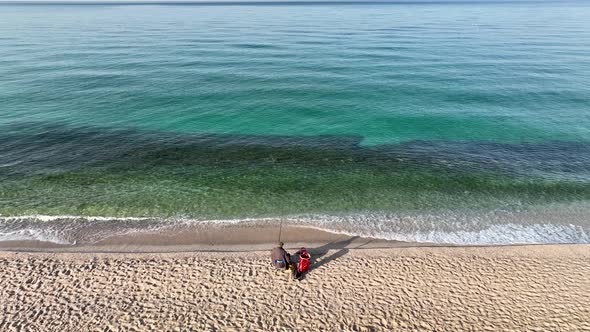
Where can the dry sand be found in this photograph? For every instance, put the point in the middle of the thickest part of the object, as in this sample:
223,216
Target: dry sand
518,288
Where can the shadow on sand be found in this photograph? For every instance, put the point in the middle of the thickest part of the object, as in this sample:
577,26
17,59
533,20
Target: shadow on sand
319,254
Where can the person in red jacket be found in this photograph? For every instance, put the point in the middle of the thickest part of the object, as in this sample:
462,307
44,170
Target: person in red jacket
302,263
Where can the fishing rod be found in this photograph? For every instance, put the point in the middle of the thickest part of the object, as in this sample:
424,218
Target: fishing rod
280,229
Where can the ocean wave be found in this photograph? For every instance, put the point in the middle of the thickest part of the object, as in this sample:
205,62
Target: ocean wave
508,234
541,226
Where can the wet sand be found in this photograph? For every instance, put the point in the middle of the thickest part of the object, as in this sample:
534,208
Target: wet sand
211,238
354,284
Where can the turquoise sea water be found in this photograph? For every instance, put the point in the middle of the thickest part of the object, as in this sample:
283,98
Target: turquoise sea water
451,122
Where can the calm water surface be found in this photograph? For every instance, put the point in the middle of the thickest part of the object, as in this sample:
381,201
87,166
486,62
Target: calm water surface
452,123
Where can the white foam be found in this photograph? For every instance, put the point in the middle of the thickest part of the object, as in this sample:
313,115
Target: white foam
498,235
32,235
40,217
475,228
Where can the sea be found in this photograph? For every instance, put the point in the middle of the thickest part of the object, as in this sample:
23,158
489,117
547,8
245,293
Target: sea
463,122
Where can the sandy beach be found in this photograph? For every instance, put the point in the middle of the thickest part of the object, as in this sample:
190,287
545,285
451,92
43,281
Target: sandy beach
354,284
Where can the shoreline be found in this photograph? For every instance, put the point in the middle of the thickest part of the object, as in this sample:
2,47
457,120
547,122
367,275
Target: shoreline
554,224
233,238
213,238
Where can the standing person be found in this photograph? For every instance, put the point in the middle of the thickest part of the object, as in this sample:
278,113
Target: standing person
280,257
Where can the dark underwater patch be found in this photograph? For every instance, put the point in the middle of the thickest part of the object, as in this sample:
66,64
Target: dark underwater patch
33,148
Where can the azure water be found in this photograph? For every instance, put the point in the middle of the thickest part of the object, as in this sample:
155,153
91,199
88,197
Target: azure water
446,122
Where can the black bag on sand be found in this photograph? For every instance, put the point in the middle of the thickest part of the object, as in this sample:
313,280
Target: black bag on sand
297,275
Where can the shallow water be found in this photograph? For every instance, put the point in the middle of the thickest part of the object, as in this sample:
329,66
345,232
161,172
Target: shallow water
454,123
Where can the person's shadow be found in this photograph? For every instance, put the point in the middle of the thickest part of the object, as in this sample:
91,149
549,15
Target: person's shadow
318,255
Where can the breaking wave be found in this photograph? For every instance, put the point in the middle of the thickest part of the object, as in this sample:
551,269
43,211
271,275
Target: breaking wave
539,226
